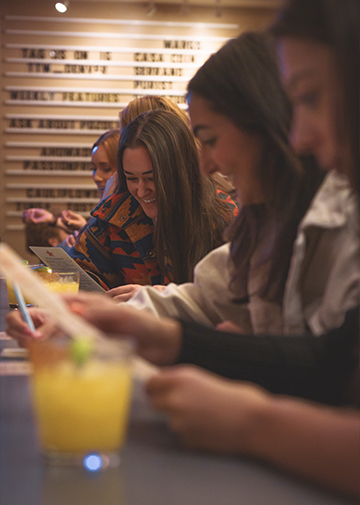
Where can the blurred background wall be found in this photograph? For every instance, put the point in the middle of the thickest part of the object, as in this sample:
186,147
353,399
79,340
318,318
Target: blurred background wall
65,77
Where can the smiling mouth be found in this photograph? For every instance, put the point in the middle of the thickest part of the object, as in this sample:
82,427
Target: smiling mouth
149,201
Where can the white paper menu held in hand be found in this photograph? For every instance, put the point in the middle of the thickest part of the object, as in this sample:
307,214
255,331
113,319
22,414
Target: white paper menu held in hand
59,261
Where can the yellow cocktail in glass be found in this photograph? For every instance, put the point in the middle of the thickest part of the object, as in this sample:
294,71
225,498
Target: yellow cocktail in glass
63,282
81,407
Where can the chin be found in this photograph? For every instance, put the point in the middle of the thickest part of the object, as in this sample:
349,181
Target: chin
151,215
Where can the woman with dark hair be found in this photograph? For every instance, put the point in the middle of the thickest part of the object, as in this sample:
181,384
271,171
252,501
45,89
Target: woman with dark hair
238,92
165,215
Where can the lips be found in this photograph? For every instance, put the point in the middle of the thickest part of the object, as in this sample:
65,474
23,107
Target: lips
149,201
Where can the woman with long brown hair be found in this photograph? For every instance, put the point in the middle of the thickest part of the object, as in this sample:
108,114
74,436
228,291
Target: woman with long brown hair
127,242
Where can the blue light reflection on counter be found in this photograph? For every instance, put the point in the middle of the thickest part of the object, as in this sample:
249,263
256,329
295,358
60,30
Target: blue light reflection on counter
93,462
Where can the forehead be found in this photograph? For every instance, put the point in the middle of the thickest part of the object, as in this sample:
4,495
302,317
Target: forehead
202,116
137,160
302,59
99,152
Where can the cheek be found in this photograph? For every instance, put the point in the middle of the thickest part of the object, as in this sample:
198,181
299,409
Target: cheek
107,175
131,188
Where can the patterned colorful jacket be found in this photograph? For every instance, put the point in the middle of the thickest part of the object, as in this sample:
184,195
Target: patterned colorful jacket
116,246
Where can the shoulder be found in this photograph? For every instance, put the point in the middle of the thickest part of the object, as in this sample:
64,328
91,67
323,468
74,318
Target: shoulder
334,204
216,261
117,209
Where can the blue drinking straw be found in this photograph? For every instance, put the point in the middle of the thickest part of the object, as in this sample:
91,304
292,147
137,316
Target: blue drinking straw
22,306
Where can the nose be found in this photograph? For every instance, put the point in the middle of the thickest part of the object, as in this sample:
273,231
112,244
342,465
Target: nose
143,188
96,176
302,136
207,165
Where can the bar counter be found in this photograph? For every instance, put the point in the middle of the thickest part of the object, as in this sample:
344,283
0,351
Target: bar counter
154,468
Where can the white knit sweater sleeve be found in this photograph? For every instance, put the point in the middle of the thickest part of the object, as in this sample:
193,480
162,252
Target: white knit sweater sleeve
207,300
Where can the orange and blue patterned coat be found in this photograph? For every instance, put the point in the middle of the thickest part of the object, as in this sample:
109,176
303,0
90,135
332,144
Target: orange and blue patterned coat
116,246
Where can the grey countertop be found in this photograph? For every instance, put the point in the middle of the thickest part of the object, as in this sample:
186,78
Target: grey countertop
154,469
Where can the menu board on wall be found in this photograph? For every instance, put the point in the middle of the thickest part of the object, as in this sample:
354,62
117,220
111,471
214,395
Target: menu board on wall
65,81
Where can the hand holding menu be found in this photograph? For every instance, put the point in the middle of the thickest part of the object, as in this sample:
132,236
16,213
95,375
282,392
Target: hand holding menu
59,261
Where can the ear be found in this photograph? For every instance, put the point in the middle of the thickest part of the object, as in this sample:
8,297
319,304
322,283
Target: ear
53,241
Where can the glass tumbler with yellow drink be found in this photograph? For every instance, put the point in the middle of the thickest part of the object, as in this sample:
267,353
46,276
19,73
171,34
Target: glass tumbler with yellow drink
59,282
81,394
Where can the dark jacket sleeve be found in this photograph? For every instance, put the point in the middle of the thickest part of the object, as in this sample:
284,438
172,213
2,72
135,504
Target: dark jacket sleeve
316,368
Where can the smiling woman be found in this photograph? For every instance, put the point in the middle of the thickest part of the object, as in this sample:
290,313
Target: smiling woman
139,178
158,165
164,216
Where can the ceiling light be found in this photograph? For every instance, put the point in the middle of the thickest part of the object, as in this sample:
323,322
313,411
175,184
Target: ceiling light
62,6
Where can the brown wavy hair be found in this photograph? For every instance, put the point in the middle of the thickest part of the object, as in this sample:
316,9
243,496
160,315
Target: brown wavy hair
189,223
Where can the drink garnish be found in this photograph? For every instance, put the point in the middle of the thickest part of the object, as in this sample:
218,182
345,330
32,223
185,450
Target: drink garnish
81,349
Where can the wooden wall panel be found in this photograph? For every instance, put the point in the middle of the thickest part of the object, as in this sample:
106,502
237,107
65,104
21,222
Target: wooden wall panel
64,79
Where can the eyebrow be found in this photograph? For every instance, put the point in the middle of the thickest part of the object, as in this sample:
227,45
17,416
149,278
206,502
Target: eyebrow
142,173
301,74
198,128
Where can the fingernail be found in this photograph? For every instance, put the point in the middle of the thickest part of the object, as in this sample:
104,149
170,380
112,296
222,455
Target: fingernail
37,334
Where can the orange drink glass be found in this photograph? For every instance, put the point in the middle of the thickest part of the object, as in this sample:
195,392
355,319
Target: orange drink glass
81,401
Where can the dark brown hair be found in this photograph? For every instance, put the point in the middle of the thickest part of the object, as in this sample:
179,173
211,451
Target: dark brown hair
39,234
335,23
154,102
189,224
241,82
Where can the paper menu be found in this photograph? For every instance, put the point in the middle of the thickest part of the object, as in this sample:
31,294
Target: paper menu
59,261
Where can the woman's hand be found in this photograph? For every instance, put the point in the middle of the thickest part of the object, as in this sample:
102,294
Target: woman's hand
206,411
20,331
123,293
71,240
72,220
36,215
159,340
229,327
